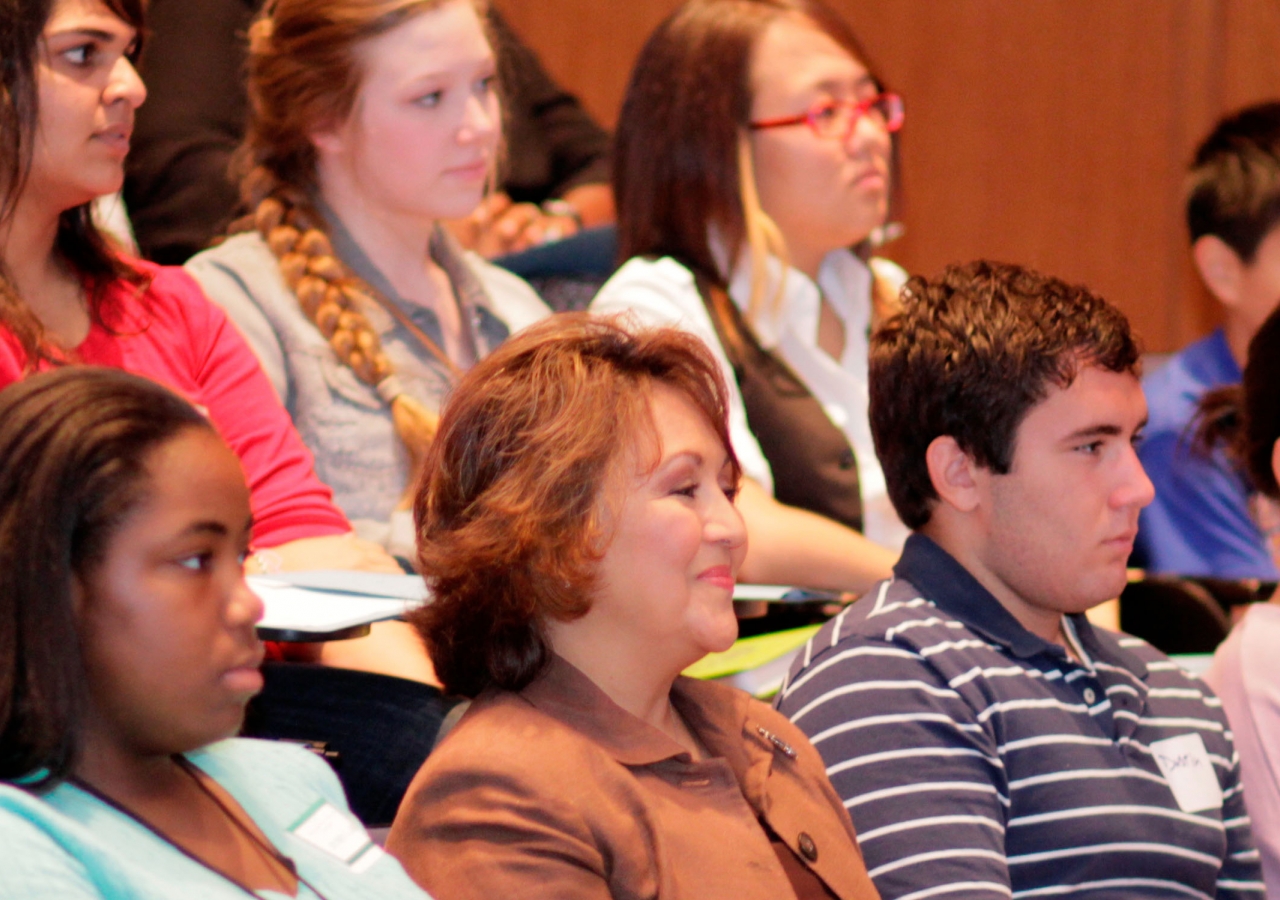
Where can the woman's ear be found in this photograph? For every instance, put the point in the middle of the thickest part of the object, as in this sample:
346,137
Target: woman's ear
330,138
1220,267
1275,459
327,141
954,474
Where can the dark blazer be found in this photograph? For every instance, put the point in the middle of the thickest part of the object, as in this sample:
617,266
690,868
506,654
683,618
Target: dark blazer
558,792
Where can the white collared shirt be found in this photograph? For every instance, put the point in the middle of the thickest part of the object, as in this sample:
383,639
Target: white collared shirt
663,292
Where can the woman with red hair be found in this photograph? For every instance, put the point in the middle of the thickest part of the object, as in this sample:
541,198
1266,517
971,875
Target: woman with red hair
372,121
578,530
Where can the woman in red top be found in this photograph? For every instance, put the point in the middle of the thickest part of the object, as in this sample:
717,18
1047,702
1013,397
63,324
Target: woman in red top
68,296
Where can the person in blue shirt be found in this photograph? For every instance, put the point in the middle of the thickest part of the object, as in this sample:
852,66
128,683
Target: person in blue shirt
127,656
1200,522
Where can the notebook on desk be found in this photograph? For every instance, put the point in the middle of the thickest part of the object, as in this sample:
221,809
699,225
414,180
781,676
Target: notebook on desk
322,604
325,604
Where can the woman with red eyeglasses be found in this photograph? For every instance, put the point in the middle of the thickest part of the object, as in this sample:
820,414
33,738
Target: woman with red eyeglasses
753,173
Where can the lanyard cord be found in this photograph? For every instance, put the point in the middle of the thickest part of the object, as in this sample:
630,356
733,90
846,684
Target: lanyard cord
421,336
259,843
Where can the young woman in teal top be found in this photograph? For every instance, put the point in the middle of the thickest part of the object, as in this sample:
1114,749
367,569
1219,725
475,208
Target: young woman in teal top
127,655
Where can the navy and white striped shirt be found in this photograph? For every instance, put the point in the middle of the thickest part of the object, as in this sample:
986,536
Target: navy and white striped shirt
979,761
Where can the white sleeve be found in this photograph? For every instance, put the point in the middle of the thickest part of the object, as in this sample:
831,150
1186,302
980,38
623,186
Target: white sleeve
663,293
888,271
512,299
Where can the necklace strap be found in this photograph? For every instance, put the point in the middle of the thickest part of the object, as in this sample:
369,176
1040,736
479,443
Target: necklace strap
194,774
419,335
259,841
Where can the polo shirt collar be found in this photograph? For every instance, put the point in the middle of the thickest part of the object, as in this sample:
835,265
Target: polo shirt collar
951,588
1105,645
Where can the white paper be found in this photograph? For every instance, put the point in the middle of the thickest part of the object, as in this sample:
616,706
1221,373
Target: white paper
1185,764
776,593
291,608
349,581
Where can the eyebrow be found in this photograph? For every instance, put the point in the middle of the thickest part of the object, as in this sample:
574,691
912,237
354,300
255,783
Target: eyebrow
682,456
214,527
489,63
95,33
833,85
434,75
1103,430
206,527
689,454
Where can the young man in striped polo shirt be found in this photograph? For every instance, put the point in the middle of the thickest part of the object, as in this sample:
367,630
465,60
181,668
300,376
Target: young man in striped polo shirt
988,741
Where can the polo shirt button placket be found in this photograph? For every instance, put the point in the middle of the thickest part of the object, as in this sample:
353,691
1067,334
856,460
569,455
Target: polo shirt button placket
1090,695
808,849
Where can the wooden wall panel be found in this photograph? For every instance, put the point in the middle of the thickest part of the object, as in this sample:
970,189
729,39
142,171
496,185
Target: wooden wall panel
589,45
1053,133
1038,135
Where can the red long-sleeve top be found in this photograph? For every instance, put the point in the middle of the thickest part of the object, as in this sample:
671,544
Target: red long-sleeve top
171,333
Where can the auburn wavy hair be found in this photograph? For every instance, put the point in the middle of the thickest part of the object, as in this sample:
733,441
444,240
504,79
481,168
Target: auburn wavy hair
511,509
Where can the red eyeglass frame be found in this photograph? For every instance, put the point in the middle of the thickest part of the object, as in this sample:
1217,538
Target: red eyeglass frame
860,108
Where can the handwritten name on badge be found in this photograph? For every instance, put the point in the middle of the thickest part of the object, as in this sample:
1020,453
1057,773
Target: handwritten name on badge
1185,764
327,828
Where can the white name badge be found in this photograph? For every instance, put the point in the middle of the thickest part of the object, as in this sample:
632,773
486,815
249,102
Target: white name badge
1185,764
327,828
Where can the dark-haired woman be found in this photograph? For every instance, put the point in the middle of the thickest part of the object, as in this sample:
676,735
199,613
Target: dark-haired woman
1244,672
578,529
68,296
371,122
753,151
124,523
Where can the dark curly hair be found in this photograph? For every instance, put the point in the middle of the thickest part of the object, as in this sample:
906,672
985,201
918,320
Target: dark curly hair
508,510
969,356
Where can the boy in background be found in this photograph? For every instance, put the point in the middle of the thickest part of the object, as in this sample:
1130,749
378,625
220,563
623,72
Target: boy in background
1200,522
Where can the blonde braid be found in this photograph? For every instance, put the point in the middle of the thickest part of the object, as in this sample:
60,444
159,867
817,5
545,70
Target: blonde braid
332,297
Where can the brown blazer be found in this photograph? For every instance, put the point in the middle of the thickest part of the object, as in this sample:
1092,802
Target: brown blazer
558,792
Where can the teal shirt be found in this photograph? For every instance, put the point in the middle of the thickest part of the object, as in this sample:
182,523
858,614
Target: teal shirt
69,845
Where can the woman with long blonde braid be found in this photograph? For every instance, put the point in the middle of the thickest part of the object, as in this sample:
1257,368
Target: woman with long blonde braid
372,120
